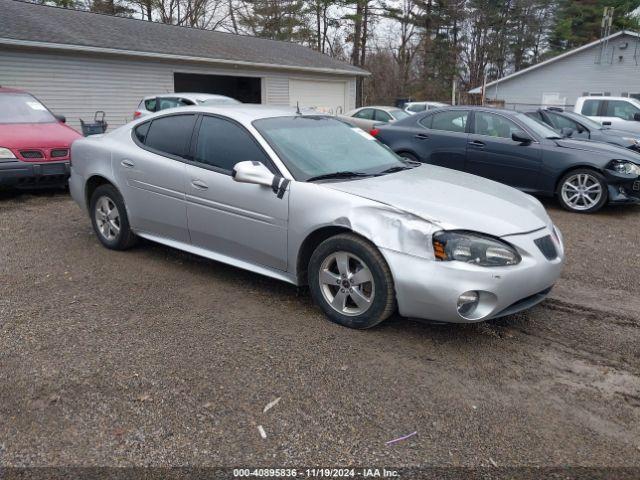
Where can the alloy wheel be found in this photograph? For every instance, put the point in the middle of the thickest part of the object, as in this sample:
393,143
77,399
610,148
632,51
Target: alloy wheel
107,218
346,283
581,191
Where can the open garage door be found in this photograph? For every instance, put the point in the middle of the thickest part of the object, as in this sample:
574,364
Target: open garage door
243,89
327,97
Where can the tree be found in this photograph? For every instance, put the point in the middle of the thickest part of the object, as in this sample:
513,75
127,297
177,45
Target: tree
578,23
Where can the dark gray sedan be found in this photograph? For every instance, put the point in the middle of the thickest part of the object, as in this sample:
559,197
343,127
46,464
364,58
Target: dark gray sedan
583,128
514,149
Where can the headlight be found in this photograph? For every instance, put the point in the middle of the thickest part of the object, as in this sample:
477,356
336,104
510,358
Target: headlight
6,153
625,166
476,248
634,141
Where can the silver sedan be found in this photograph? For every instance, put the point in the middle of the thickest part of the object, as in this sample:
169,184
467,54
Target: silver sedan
309,200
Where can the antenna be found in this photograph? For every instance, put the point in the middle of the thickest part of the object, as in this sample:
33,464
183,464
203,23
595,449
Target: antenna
298,112
605,31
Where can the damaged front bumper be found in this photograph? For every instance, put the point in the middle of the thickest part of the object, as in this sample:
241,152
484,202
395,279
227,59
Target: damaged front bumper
430,289
622,188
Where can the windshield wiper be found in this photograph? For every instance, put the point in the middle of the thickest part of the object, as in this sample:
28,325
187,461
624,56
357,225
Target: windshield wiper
395,169
343,174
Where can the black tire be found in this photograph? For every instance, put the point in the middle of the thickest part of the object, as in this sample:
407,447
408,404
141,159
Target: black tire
381,290
409,156
124,238
594,177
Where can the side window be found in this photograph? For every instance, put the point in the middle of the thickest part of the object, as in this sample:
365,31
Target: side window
621,109
426,121
590,108
562,122
494,125
418,107
141,131
222,144
382,116
171,134
451,121
365,114
164,103
150,104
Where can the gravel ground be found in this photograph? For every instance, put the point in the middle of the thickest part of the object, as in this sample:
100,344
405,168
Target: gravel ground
156,357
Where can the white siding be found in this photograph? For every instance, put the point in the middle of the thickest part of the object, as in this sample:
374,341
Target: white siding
277,90
568,78
76,85
328,97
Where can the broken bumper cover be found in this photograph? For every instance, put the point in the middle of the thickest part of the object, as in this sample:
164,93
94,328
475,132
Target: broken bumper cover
14,172
622,188
430,289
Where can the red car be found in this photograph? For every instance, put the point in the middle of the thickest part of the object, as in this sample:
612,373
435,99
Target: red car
34,143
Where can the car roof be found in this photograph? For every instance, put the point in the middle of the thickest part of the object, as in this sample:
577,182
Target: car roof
242,112
10,90
426,103
379,107
188,95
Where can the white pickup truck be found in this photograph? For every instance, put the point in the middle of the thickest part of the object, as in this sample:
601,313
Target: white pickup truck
622,113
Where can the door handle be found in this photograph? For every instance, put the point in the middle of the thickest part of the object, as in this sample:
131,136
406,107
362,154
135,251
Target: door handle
421,136
127,163
476,143
199,184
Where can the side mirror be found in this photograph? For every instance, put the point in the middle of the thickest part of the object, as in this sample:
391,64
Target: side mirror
636,117
566,131
521,137
61,118
252,172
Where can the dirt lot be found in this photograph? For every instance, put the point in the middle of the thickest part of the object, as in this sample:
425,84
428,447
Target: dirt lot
156,357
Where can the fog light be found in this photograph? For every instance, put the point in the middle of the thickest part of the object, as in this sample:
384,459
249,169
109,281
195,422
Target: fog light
467,303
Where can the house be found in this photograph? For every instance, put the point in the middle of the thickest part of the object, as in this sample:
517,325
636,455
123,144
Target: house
77,62
606,67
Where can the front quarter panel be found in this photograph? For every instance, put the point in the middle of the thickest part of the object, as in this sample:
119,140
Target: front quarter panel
313,207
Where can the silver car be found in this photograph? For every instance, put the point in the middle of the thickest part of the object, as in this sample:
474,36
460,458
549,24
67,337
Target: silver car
156,103
368,117
309,200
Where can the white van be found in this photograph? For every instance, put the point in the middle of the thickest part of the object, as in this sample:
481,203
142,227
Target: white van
618,112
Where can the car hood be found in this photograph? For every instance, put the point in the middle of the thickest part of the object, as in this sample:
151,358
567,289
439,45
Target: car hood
453,200
607,149
616,132
37,135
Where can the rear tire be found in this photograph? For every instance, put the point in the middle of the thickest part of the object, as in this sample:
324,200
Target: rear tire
351,282
109,218
582,191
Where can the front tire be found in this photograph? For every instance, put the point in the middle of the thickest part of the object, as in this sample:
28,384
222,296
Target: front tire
109,218
582,191
351,282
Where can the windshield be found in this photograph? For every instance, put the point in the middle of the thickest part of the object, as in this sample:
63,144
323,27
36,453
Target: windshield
23,108
312,146
399,114
538,128
586,121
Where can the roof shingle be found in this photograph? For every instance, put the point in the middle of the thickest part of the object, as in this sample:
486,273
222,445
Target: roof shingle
23,21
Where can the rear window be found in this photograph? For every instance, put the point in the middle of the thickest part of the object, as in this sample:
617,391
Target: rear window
150,104
418,107
164,103
23,108
170,134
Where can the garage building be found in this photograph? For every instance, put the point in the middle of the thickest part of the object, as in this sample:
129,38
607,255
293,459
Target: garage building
606,67
78,62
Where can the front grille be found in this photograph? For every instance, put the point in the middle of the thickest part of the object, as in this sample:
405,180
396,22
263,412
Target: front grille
547,247
31,154
59,152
